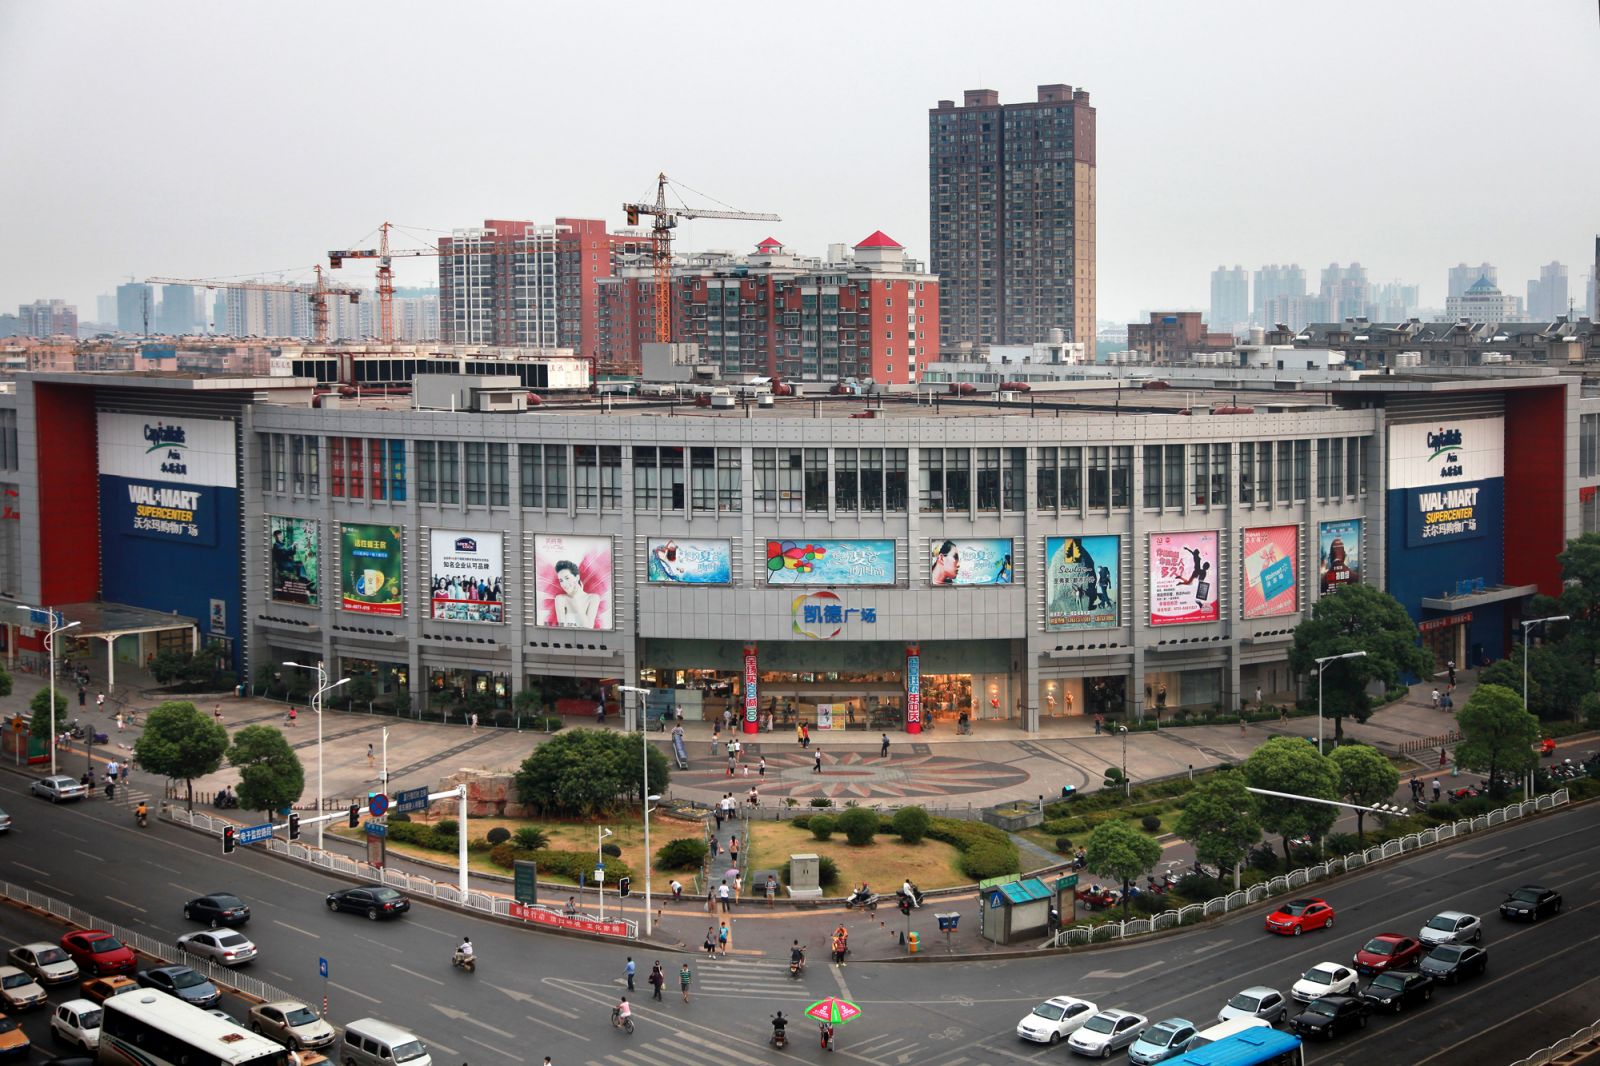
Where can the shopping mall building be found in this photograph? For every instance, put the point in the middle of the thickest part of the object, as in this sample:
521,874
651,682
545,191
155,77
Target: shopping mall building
872,563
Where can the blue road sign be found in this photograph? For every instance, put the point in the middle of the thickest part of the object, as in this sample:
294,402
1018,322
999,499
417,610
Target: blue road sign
253,834
322,967
410,799
378,804
377,829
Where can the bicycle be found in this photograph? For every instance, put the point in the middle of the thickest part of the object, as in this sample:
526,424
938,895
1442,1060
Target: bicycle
618,1021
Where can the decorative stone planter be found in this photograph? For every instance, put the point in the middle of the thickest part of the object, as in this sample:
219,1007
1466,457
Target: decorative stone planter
1012,818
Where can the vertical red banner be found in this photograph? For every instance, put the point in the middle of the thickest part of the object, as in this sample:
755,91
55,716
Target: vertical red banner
913,688
752,695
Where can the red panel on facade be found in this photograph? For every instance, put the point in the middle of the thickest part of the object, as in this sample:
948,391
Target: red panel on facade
69,494
1535,526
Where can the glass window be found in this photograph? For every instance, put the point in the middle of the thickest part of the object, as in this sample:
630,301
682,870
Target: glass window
1072,479
845,497
791,479
1219,474
896,483
1173,489
958,479
703,478
872,480
397,470
988,463
427,475
280,467
1336,466
1322,468
672,478
530,472
1588,445
264,449
1046,491
1152,475
764,493
477,474
355,457
1122,475
313,466
449,472
1362,466
1352,460
1201,460
499,475
1285,471
817,479
644,478
1247,472
1099,477
1302,468
1264,473
378,468
730,480
1016,480
930,474
555,476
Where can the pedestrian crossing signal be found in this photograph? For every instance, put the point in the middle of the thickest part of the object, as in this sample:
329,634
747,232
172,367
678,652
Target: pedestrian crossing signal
355,816
227,840
624,886
294,827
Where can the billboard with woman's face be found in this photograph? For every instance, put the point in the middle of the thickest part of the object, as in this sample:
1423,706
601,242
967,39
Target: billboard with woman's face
573,581
970,562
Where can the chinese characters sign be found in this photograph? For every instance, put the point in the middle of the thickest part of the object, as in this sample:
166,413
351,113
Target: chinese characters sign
1183,578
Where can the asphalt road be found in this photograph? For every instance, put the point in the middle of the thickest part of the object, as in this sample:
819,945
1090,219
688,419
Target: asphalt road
537,994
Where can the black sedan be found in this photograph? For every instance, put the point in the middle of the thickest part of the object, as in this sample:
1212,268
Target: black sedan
375,901
182,982
1398,989
1328,1016
1452,962
1531,902
218,908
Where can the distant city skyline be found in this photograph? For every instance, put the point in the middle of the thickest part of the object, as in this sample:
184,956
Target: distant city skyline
1177,191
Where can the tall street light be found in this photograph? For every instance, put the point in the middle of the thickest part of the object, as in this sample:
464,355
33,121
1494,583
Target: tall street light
648,799
1127,786
1526,625
320,669
50,646
1322,664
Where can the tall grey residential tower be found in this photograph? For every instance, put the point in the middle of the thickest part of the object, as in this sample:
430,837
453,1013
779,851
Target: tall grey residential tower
1464,277
1011,216
1274,282
1547,296
1230,298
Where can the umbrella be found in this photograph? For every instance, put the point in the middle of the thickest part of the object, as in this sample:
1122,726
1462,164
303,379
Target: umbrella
833,1009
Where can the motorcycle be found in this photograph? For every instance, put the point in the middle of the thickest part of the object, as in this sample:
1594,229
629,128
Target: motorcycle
858,898
468,963
225,801
915,897
797,967
142,816
780,1036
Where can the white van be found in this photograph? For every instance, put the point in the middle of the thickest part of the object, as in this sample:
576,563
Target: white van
1223,1030
370,1042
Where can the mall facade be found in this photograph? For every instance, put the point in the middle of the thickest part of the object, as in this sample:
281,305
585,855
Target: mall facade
873,564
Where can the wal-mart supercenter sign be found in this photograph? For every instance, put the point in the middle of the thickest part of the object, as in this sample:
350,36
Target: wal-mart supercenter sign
1451,473
159,477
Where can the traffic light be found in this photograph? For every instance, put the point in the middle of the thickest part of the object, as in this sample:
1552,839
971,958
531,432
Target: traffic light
294,826
355,816
227,840
905,905
624,886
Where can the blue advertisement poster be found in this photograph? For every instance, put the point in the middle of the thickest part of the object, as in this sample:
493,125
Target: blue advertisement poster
830,562
971,562
689,562
1081,582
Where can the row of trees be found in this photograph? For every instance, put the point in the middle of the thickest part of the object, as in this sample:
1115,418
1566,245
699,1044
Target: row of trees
182,743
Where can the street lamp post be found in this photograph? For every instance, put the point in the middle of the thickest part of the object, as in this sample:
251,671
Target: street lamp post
1127,786
1526,625
1322,664
50,646
645,758
320,669
601,832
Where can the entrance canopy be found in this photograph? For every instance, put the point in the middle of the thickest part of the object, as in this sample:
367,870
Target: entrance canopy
108,621
1478,596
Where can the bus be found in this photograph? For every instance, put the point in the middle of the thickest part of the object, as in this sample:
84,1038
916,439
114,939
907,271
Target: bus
143,1027
1253,1047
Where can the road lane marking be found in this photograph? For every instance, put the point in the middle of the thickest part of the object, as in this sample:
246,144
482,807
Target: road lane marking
161,866
379,943
497,1051
1478,854
1118,975
128,905
297,929
414,973
33,869
184,889
559,1028
363,995
89,855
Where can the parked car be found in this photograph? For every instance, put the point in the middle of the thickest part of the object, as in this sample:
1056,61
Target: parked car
77,1021
217,908
1164,1040
293,1024
1328,1016
1324,979
1108,1031
1452,962
5,822
1053,1019
100,989
1388,951
14,1042
1452,927
1300,915
182,982
227,946
98,952
1257,1001
1398,989
1531,902
19,990
59,787
47,962
375,901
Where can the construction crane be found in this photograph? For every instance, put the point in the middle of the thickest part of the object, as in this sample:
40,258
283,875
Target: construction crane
318,294
384,255
666,219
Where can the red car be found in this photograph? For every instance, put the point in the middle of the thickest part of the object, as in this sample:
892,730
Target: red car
1299,916
1389,951
98,952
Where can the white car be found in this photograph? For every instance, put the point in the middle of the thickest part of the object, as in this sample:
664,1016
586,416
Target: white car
1054,1019
1451,927
1108,1031
77,1021
291,1023
1324,979
1257,1001
47,962
227,946
19,991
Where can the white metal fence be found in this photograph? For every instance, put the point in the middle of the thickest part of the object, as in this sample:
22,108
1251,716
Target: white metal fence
450,895
1296,879
1589,1034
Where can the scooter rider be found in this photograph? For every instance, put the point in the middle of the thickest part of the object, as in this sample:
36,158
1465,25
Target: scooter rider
142,813
464,950
780,1024
909,891
797,956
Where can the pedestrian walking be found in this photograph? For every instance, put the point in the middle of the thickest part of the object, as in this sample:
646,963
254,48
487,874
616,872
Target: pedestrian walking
738,887
293,715
723,933
710,945
600,711
733,850
677,890
724,895
772,891
683,980
1099,723
372,756
1438,790
1241,723
730,761
715,847
658,978
119,721
216,713
800,733
1441,757
738,749
83,696
628,972
1283,713
755,798
111,771
717,814
761,767
1451,667
816,765
111,789
1258,696
1435,698
474,721
100,701
883,748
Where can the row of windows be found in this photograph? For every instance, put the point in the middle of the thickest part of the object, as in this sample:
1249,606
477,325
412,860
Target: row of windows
1588,445
362,468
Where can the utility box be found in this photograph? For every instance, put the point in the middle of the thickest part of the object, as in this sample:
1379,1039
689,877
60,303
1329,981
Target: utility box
805,877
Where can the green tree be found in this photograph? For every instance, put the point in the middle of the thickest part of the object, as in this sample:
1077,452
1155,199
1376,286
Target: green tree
1497,733
1580,594
5,682
910,824
1116,849
1289,764
181,743
859,825
270,774
360,691
1365,777
1219,820
583,772
1357,618
40,706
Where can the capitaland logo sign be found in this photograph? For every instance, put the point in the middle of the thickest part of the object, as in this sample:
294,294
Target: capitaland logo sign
161,435
823,615
1446,443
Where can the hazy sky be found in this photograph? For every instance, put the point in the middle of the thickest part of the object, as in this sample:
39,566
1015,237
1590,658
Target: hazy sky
216,139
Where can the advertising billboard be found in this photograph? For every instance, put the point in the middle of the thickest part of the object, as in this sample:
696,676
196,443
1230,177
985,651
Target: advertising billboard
689,562
371,562
971,562
467,576
573,581
1082,582
830,562
296,554
1183,578
1338,553
1444,469
1269,571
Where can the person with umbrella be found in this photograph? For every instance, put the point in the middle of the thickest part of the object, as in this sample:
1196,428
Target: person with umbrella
830,1012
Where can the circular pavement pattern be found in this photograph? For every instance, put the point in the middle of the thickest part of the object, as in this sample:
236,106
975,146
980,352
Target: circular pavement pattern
857,775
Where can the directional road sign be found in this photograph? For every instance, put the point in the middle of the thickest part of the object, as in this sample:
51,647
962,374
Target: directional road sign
410,799
253,834
378,804
377,829
322,967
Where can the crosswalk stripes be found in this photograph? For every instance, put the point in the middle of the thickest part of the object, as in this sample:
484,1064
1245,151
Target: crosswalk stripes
678,1047
750,977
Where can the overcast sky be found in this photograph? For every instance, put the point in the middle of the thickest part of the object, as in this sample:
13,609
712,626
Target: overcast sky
217,139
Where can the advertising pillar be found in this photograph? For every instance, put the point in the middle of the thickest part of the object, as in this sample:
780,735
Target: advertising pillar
913,688
752,697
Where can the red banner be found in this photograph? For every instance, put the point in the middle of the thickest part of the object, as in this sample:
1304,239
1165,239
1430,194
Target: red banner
541,916
752,697
913,688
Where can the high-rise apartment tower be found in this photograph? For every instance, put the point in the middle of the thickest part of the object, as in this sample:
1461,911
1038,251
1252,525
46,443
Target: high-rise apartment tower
1230,298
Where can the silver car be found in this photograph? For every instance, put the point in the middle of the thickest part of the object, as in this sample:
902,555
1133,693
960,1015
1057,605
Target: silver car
227,946
291,1023
1257,1001
1108,1031
18,990
59,787
1452,927
47,962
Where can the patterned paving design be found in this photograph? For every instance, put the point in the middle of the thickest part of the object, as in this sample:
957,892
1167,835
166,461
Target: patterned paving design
855,775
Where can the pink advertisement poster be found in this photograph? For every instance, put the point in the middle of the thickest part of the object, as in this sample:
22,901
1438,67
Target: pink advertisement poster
574,581
1183,578
1270,587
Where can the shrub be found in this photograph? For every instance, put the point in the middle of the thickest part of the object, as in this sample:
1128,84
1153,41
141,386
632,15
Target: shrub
447,827
859,825
498,835
1264,857
1149,903
827,871
684,853
399,816
1064,845
479,845
821,826
611,851
1341,843
988,858
800,821
821,801
1198,888
910,823
569,864
1151,823
531,837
